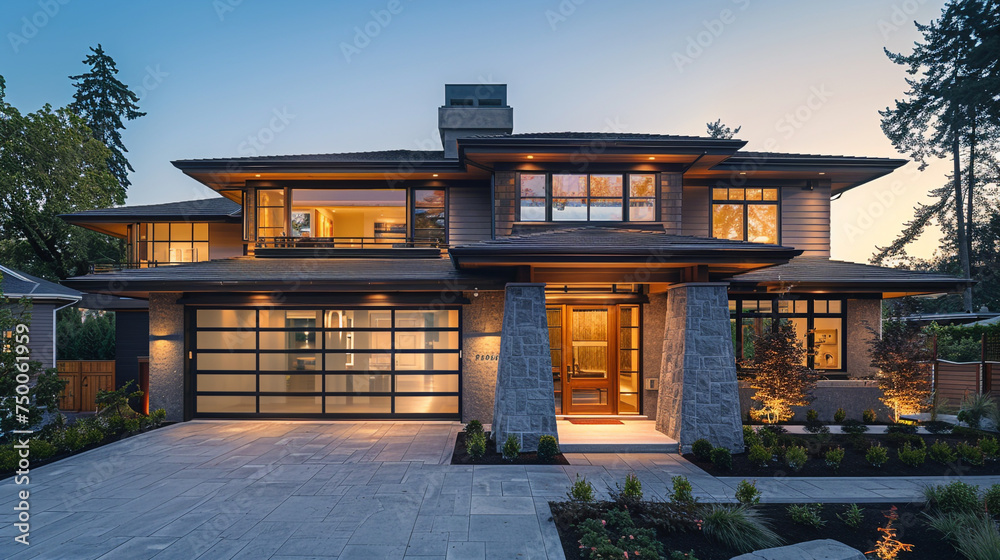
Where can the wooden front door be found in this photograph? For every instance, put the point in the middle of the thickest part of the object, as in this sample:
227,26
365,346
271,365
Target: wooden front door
589,379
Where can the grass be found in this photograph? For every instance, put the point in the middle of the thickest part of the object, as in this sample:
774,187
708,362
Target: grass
739,528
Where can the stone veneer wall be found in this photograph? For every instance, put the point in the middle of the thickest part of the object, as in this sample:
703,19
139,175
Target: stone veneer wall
524,404
861,314
699,395
853,395
481,323
654,316
166,354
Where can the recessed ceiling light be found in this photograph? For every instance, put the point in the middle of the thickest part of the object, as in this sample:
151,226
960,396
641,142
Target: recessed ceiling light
651,157
435,175
531,157
257,175
743,172
822,172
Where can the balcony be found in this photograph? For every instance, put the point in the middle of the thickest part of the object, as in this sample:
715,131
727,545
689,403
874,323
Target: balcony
354,247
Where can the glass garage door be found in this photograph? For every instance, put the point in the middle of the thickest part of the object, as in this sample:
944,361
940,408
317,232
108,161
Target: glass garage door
340,363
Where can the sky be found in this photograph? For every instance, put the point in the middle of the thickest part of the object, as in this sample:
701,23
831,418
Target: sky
223,78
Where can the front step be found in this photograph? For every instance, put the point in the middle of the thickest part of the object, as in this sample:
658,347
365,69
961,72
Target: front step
618,447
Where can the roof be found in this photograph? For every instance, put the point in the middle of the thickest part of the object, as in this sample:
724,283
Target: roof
809,273
285,275
207,209
344,157
623,136
17,284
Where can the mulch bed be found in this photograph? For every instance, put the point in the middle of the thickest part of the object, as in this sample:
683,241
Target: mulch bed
854,463
460,457
928,543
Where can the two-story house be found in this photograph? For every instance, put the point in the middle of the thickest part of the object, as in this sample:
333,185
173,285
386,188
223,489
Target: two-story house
509,278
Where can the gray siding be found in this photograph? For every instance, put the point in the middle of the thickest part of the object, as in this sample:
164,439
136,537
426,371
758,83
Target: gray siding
805,219
671,201
41,338
696,211
504,189
469,217
225,241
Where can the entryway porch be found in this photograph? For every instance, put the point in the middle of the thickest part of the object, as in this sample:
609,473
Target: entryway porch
611,434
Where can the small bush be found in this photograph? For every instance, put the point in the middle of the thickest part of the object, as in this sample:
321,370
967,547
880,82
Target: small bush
767,437
877,456
840,416
899,428
548,448
970,453
813,424
616,536
747,493
937,427
158,416
681,493
990,447
511,448
759,456
581,491
475,446
722,458
911,456
739,528
796,457
868,416
474,427
750,437
807,514
941,452
632,492
991,501
812,415
853,516
41,449
8,458
834,457
853,427
955,497
702,449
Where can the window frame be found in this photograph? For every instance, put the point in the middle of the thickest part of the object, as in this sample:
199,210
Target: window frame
810,315
145,248
745,204
625,198
411,226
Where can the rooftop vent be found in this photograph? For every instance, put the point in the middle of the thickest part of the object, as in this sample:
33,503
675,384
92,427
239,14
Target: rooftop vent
470,110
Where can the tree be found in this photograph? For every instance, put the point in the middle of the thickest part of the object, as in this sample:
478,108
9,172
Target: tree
719,130
102,100
780,380
51,165
903,359
952,110
86,335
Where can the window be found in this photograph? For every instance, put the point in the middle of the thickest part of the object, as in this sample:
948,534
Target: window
745,214
429,216
172,242
271,213
819,325
350,215
579,197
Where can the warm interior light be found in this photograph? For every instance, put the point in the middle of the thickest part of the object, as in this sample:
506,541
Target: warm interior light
257,175
822,173
743,172
434,175
651,157
531,157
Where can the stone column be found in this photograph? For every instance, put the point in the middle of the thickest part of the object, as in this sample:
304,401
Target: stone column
166,354
524,405
699,394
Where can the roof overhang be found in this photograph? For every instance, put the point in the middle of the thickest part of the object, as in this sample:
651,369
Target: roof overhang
844,173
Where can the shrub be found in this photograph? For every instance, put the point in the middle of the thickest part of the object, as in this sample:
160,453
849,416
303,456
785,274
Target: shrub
8,458
941,452
158,416
955,497
767,437
722,458
474,427
616,536
974,536
632,492
115,403
678,555
877,456
990,447
475,446
898,428
889,547
868,416
812,415
975,407
548,448
750,437
41,449
991,501
702,449
739,528
511,448
937,427
813,424
853,516
807,514
796,457
970,453
681,493
853,427
840,416
833,457
581,491
911,456
747,493
759,456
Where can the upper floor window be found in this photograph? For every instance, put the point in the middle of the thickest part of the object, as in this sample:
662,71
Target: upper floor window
173,242
745,214
580,197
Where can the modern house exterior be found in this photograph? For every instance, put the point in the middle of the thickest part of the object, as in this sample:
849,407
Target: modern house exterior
508,278
43,300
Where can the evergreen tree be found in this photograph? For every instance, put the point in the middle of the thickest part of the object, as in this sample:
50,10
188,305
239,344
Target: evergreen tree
719,130
102,100
903,359
780,380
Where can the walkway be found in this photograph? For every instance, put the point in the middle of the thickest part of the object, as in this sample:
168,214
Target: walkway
296,490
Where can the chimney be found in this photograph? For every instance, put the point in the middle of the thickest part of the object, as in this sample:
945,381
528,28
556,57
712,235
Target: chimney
470,110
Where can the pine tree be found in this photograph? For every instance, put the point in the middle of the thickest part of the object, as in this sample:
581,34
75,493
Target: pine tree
102,100
719,130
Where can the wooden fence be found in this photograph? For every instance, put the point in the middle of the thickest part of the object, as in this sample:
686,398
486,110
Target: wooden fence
956,380
84,378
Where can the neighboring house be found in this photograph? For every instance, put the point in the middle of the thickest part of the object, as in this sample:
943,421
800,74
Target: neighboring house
45,299
375,284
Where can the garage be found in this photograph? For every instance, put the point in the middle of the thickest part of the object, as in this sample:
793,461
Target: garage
315,362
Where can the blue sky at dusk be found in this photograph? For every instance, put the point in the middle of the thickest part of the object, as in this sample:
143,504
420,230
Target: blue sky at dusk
808,76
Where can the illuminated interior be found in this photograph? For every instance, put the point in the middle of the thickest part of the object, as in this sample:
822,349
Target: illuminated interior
349,214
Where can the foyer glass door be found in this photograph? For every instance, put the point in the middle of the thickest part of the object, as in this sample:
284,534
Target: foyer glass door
590,380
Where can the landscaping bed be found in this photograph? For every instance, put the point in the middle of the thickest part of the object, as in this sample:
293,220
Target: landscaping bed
491,457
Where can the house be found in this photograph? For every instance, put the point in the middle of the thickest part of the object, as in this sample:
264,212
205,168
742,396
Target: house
508,278
44,299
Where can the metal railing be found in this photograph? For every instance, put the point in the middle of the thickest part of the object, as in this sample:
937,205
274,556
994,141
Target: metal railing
98,268
386,242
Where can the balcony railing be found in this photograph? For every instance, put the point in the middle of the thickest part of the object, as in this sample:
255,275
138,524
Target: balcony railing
97,268
348,243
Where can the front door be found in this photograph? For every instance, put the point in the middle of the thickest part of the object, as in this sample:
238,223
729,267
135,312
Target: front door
589,377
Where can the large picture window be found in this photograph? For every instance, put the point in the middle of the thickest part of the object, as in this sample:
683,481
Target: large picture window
173,242
819,326
580,197
745,214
